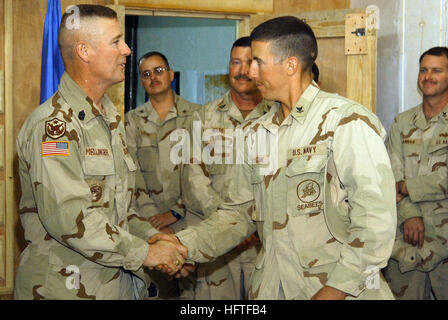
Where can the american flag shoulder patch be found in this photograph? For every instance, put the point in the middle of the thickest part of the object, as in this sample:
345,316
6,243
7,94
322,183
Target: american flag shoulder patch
55,148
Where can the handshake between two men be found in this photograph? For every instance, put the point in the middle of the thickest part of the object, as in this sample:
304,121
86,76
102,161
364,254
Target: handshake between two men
168,255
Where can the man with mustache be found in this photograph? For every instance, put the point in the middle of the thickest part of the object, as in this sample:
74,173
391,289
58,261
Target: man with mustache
84,238
204,185
418,149
157,187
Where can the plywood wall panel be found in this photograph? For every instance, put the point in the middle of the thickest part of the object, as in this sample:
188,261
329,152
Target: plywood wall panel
234,6
332,65
284,6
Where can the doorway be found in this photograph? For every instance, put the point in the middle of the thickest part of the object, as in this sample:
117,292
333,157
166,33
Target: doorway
197,49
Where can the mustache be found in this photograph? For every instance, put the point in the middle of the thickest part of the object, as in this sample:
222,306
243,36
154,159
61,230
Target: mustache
155,82
242,77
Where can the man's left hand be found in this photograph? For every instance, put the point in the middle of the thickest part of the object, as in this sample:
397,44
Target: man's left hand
162,220
329,293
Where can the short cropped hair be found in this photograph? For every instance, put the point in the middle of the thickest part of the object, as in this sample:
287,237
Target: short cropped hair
154,53
85,11
241,42
288,36
315,72
435,51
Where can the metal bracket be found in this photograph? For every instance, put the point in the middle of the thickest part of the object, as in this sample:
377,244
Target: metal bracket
360,32
355,34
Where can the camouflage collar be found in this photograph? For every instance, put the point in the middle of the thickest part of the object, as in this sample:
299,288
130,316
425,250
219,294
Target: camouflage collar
82,105
444,114
183,106
226,102
147,110
227,105
419,119
301,108
273,120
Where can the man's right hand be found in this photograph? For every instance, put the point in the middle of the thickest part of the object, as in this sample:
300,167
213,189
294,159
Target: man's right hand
186,268
165,255
414,231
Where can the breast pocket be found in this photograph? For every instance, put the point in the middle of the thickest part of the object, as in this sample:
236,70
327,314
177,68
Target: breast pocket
411,154
96,170
148,153
438,156
306,185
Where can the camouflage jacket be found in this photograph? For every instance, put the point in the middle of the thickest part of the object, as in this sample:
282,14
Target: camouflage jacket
203,184
77,180
327,142
157,178
418,150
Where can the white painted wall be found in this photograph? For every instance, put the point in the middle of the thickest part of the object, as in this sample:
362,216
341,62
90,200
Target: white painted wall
407,29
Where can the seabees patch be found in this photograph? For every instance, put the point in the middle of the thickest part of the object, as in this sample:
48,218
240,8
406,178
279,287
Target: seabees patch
55,128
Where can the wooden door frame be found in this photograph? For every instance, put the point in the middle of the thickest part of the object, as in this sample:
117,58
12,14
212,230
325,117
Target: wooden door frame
117,91
10,203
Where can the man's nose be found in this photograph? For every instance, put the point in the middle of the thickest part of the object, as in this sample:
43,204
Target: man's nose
126,50
252,71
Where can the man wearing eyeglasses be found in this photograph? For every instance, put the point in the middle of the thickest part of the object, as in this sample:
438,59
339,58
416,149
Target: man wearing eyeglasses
157,189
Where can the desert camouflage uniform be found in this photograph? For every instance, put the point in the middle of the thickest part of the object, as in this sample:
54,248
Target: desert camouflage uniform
203,187
326,216
76,208
418,150
157,186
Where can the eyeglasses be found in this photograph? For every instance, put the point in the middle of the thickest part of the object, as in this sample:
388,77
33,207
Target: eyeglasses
156,71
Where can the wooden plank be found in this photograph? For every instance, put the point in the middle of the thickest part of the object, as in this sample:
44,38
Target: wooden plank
234,6
325,24
355,33
2,258
10,201
333,75
361,75
2,147
2,91
243,27
309,5
2,202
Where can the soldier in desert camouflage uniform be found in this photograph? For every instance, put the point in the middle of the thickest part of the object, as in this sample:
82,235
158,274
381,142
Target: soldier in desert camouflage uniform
204,185
321,197
418,148
77,178
148,128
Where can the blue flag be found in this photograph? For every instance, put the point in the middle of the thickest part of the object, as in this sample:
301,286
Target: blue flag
52,65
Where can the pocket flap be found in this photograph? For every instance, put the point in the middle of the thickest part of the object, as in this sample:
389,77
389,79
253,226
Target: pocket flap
303,165
148,139
93,166
436,147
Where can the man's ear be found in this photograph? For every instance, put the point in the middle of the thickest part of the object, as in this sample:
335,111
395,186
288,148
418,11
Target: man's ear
292,65
82,49
171,74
